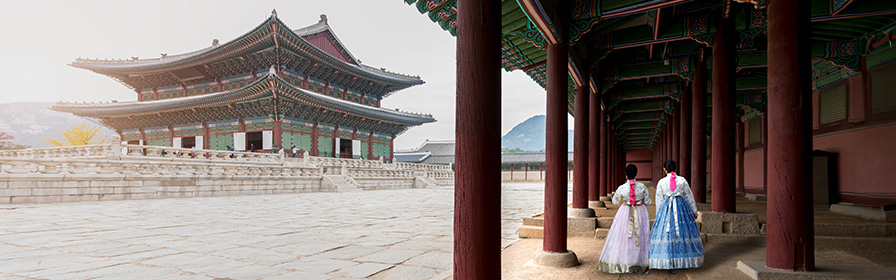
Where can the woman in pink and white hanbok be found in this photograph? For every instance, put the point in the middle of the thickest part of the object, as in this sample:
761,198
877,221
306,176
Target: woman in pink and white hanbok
627,245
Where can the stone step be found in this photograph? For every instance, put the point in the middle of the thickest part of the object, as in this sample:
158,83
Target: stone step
856,230
530,232
539,222
862,245
733,239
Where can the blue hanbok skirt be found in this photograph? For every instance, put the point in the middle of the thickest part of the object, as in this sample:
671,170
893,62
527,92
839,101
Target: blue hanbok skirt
674,239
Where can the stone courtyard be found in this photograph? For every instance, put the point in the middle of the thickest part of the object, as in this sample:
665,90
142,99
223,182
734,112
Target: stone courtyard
384,234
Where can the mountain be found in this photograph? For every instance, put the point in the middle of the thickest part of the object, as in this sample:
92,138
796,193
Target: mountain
28,122
529,135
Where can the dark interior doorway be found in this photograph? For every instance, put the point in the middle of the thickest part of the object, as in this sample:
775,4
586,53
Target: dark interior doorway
253,139
188,142
345,148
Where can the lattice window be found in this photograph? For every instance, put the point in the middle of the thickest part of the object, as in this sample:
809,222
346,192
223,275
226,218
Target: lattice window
832,104
883,90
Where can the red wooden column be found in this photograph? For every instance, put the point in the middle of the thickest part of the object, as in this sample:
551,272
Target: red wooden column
580,151
604,141
611,161
684,156
477,193
698,131
594,152
791,240
723,115
765,152
676,137
739,157
554,252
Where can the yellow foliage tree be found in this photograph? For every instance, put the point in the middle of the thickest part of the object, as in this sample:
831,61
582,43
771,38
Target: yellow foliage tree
79,135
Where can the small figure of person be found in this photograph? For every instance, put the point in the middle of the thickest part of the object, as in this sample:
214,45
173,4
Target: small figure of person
252,147
228,148
627,243
675,242
294,151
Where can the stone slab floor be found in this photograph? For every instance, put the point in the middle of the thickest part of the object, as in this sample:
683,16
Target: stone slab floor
388,234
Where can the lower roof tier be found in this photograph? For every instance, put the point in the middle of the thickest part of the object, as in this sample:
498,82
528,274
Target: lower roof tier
270,95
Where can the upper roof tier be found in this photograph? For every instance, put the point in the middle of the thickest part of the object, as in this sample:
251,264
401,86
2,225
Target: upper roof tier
266,95
313,50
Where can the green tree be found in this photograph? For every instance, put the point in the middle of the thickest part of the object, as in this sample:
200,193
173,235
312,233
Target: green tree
79,135
7,144
514,150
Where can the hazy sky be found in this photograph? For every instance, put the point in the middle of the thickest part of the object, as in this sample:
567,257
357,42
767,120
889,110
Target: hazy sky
42,37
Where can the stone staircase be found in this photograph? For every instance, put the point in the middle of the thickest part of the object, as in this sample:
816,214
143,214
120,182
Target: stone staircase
342,183
576,227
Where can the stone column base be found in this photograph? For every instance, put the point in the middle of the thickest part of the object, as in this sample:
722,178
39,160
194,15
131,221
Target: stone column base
581,212
597,205
551,259
605,198
731,223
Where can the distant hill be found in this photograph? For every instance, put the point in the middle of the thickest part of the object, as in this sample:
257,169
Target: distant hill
529,135
28,122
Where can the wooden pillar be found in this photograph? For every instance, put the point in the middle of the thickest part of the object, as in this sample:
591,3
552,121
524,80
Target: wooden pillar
739,157
278,137
594,148
676,137
684,156
723,115
698,130
791,240
580,147
477,195
314,151
765,152
556,149
604,141
526,174
511,171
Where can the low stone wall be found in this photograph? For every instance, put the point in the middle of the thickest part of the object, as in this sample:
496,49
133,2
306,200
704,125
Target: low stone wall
521,176
115,172
384,183
42,188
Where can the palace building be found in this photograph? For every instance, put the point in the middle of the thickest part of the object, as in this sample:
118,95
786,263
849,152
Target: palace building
271,88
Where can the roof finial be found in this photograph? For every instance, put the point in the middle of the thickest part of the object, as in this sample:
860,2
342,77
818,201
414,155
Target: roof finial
323,18
214,42
274,13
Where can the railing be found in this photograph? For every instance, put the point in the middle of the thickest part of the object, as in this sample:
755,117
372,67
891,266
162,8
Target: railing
380,173
348,163
169,152
153,168
370,168
422,166
60,152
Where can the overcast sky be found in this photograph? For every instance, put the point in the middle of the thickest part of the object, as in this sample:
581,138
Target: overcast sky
40,39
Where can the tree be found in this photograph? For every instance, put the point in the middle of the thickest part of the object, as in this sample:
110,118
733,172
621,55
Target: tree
514,150
7,144
79,135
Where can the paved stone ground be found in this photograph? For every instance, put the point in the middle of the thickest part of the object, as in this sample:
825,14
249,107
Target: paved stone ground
388,234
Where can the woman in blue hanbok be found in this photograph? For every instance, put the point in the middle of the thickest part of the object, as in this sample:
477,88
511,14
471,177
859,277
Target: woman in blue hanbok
674,239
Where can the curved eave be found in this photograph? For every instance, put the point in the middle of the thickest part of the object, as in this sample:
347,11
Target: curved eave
271,29
269,87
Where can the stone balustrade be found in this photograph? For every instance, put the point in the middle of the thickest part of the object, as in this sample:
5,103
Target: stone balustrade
422,166
347,162
60,152
368,173
116,171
